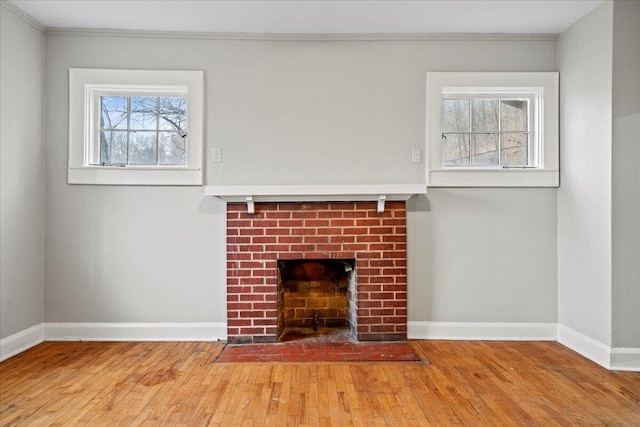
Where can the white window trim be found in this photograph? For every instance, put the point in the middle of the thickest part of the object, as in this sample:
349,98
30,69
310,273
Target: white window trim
87,84
545,127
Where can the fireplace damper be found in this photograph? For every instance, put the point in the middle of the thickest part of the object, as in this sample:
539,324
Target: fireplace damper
315,296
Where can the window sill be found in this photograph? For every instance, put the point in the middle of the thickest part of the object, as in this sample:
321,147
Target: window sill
134,175
493,178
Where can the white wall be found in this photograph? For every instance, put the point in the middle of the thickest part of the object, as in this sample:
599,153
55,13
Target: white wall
22,174
584,196
626,175
292,112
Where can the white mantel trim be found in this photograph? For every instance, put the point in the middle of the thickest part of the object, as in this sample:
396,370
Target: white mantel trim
314,193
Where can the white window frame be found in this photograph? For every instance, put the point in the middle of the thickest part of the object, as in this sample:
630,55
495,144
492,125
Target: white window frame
85,88
542,91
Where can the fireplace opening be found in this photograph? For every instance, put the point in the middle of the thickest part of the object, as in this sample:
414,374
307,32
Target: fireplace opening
316,297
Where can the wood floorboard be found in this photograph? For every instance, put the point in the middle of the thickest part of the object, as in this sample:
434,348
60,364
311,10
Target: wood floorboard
162,384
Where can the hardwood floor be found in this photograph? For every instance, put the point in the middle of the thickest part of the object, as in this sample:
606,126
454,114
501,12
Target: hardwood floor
168,384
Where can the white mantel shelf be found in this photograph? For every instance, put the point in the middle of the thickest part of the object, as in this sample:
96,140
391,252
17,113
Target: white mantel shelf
251,194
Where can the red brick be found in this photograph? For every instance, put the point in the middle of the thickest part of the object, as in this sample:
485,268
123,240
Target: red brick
394,271
264,223
262,255
277,231
395,254
276,248
304,215
394,238
315,239
238,239
355,214
368,255
394,288
291,223
370,320
267,289
234,207
367,239
393,221
261,273
303,248
239,306
381,246
354,230
329,231
252,281
342,239
386,214
342,206
251,248
382,295
382,312
369,222
277,215
316,223
303,231
264,306
329,214
342,222
252,313
264,239
400,213
252,331
382,328
368,271
355,246
381,230
382,263
251,297
238,256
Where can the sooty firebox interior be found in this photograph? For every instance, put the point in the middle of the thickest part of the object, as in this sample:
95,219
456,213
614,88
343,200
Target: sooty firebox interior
315,297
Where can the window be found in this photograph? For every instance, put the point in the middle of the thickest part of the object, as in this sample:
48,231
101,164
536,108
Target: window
142,130
135,127
492,129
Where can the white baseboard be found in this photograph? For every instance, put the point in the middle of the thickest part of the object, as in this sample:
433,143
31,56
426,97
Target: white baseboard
481,331
585,345
21,341
625,359
210,331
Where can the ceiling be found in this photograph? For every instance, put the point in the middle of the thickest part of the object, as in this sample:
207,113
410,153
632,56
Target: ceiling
312,16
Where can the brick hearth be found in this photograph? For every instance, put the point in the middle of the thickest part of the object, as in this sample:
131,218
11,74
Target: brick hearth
279,231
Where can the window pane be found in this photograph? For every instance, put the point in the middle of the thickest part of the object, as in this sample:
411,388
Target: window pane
171,149
514,149
455,149
142,148
113,112
484,150
113,147
173,114
484,115
143,113
514,115
455,115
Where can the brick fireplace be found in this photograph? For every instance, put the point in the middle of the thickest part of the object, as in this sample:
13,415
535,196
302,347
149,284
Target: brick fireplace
375,243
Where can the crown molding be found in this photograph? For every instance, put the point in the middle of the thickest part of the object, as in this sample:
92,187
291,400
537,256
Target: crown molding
23,15
300,36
